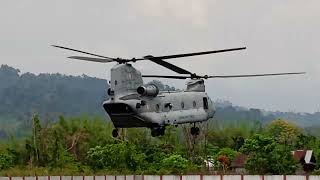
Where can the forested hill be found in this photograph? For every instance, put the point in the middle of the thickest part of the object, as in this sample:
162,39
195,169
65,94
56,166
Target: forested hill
226,111
51,95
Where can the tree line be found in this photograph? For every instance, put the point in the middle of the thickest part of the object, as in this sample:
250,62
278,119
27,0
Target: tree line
52,95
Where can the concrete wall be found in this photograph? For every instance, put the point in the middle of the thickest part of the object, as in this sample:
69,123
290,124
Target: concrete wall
169,177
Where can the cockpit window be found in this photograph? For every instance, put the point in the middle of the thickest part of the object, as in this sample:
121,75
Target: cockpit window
205,103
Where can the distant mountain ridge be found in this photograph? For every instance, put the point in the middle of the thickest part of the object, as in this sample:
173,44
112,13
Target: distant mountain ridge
51,95
302,119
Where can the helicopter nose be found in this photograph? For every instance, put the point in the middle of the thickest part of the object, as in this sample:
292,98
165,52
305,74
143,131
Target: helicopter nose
118,108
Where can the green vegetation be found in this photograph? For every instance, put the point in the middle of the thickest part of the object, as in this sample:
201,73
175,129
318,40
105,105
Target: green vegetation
52,95
266,156
60,140
84,145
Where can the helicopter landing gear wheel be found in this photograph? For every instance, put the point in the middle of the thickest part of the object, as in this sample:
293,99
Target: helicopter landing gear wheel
160,131
194,131
115,133
154,133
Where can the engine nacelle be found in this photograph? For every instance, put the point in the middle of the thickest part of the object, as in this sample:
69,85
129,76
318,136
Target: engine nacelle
148,90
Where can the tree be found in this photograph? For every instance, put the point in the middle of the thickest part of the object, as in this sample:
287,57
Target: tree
33,145
305,141
266,156
175,164
120,157
283,131
225,156
6,159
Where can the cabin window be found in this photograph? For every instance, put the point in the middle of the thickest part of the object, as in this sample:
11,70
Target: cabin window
115,82
168,105
157,107
182,105
194,104
205,103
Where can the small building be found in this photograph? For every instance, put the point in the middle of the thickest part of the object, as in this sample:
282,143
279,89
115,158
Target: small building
237,165
306,159
209,164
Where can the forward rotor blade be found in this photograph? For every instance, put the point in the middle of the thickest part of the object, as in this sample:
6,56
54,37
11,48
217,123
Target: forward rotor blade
70,49
101,60
193,54
257,75
169,77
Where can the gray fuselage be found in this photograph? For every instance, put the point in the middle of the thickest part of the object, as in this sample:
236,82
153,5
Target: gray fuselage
127,108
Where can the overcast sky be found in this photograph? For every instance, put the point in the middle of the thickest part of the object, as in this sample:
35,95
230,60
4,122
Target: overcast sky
280,36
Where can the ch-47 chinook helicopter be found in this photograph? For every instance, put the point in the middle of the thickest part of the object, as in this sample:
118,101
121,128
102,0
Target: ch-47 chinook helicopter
133,104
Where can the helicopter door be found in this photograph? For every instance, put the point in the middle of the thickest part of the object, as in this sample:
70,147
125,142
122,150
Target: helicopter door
205,103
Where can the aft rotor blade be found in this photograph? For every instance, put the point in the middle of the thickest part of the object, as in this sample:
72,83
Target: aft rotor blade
170,66
194,54
257,75
70,49
101,60
169,77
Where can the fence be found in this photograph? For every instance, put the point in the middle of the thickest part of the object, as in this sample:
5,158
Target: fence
169,177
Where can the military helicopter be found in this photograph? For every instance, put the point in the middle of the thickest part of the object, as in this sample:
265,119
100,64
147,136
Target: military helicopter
133,104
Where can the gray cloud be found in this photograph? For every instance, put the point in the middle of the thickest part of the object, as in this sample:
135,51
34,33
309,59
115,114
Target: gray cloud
280,36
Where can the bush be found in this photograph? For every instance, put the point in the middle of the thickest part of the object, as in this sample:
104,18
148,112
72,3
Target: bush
175,164
265,156
6,159
116,157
